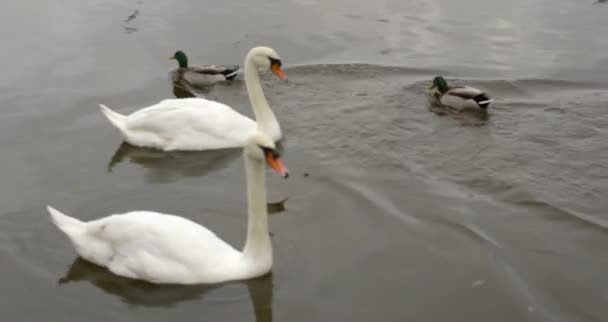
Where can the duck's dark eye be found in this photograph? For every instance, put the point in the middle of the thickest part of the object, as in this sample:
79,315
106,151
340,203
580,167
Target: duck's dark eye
269,151
274,61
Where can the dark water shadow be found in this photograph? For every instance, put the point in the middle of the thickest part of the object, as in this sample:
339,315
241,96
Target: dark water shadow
169,166
165,167
183,89
140,293
276,207
180,91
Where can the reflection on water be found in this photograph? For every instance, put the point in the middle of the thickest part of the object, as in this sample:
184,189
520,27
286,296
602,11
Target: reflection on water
181,91
276,207
165,167
140,293
170,166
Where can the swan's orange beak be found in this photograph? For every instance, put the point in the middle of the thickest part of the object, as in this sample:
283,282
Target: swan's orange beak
278,71
275,163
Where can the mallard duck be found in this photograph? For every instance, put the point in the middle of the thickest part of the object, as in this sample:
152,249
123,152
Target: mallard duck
197,124
167,249
201,76
459,97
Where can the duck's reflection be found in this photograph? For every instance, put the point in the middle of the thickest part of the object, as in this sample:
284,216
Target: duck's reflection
169,166
185,90
141,293
181,92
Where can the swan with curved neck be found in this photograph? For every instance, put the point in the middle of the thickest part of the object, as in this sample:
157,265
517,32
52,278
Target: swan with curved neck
201,124
263,114
161,248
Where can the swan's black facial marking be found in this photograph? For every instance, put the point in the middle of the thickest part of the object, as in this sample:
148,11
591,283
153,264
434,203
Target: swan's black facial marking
275,62
270,151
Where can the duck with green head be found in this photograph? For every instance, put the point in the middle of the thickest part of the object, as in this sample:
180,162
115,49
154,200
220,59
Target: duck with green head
459,97
201,76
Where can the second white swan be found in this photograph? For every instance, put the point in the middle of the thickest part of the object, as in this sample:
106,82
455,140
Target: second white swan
196,124
161,248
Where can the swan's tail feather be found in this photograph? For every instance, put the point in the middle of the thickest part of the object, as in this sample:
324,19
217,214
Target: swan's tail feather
117,119
67,224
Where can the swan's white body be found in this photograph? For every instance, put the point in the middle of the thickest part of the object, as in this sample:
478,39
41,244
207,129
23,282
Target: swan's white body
161,248
198,123
154,247
186,124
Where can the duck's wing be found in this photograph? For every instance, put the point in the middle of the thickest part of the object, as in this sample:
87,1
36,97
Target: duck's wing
465,92
470,93
228,71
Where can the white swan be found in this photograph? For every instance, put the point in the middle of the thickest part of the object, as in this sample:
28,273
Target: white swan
162,248
201,124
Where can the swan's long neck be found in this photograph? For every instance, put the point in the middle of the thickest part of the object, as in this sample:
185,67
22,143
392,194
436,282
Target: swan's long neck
258,247
264,116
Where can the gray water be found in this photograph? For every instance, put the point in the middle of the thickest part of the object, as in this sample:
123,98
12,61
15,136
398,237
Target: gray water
393,213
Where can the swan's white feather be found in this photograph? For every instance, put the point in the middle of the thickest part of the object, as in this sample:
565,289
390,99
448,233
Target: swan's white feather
189,124
156,247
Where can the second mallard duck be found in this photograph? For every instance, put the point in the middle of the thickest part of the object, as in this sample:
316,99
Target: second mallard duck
201,76
459,97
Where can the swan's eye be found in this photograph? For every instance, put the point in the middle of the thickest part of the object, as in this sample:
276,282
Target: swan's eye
275,62
270,152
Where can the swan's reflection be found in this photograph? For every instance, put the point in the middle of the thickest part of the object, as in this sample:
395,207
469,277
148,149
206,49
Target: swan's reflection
136,292
170,166
166,167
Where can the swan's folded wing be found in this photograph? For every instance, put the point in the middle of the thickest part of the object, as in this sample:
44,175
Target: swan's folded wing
159,247
137,226
191,123
146,237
